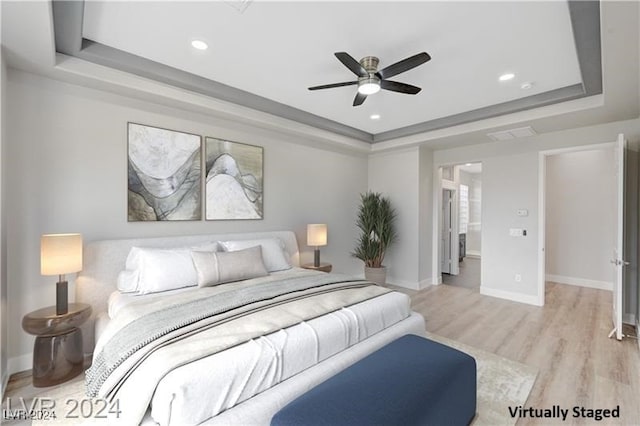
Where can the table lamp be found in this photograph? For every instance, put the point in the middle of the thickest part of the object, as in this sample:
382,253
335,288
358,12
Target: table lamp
317,236
61,254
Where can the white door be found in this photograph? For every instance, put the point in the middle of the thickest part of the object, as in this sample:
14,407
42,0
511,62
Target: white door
447,227
618,251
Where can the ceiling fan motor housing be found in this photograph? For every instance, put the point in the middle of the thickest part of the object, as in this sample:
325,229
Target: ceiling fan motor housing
370,63
369,84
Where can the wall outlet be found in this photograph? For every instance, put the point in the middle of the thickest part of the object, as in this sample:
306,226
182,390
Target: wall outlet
518,278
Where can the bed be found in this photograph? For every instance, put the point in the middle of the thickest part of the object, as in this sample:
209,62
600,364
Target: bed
261,367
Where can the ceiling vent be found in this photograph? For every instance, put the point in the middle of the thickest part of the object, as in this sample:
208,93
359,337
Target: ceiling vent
505,135
239,5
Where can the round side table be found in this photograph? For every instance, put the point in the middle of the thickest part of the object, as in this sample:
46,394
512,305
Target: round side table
324,267
57,351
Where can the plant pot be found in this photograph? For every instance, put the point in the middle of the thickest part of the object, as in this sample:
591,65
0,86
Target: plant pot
377,275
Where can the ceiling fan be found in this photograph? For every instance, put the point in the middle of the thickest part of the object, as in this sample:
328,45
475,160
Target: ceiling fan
370,80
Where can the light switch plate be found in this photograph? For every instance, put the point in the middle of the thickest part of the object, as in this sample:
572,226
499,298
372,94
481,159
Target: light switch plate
522,212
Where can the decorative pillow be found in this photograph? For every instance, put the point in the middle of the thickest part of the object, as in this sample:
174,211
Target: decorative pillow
274,254
222,267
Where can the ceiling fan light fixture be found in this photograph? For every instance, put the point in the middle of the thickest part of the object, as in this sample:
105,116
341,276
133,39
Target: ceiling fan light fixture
369,88
369,85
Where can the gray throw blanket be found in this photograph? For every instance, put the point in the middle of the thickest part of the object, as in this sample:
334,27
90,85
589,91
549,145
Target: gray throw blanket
165,325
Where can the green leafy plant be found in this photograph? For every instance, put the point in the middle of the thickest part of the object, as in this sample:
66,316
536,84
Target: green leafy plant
376,219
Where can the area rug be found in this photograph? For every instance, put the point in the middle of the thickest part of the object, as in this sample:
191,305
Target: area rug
501,383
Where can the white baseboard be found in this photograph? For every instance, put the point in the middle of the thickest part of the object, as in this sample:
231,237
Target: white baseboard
412,285
425,283
473,253
19,363
508,295
580,282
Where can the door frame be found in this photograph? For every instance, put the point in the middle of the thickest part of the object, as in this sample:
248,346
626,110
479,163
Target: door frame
436,230
542,194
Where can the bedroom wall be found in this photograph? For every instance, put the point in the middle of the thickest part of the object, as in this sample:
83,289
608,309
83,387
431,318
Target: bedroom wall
425,216
68,156
510,182
396,175
4,375
406,177
580,222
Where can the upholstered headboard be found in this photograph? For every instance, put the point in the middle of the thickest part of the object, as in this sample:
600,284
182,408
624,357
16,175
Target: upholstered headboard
103,261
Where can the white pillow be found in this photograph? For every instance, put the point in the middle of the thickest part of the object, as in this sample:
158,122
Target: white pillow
224,267
274,254
172,270
128,281
158,270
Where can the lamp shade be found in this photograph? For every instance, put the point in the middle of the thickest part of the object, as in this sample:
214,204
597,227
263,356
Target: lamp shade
60,254
317,234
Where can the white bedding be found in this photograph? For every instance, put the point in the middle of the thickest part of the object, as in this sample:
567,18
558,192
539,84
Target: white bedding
262,363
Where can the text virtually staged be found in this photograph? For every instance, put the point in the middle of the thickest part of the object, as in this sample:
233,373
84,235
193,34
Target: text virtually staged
563,413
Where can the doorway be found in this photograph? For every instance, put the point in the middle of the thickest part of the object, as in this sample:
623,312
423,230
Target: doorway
461,225
581,220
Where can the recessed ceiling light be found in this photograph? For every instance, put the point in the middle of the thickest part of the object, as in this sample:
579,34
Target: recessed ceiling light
199,44
526,86
375,116
507,76
468,164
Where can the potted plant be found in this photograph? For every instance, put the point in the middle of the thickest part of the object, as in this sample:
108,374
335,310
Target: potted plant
377,232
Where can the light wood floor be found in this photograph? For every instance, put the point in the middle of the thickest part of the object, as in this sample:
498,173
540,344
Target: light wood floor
468,276
566,340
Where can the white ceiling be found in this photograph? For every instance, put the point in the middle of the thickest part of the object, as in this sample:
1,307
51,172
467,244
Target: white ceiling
278,49
473,168
28,44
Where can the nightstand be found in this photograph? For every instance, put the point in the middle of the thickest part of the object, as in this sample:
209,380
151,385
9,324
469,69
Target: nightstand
324,267
57,352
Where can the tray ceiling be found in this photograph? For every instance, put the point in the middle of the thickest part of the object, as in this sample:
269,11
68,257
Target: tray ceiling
267,55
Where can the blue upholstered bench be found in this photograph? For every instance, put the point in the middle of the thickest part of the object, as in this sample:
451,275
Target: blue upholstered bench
410,381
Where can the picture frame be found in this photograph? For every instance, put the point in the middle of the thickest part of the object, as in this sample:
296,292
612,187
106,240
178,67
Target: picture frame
164,177
234,180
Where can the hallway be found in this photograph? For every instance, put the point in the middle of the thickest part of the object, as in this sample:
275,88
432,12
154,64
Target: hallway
469,276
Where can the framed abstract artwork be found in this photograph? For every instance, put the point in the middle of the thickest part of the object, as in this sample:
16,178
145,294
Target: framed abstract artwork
234,180
164,174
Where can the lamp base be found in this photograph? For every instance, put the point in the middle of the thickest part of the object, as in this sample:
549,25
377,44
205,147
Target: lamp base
62,299
316,257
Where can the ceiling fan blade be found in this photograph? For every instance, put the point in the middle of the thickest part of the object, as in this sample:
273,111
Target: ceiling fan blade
359,99
394,86
351,63
404,65
331,86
